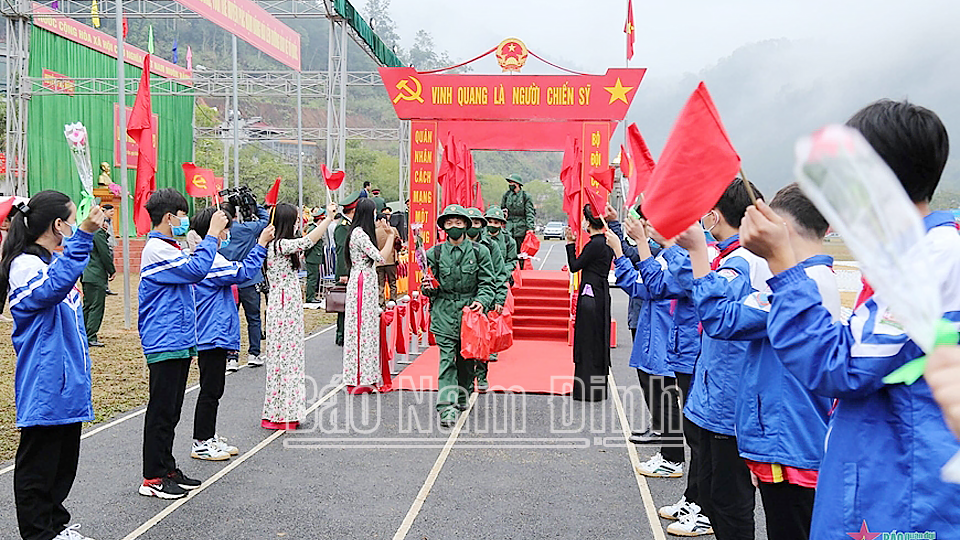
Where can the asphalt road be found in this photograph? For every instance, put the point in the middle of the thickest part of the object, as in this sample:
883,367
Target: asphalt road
520,466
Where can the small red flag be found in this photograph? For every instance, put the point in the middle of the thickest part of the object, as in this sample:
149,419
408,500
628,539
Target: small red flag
271,198
597,199
641,165
140,127
697,164
5,208
628,29
332,179
200,182
570,178
604,178
125,28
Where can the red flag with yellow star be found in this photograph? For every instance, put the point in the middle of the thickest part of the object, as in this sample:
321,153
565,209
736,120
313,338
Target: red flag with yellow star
628,29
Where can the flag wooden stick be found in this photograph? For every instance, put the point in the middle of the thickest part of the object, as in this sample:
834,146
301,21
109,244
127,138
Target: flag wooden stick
273,210
753,196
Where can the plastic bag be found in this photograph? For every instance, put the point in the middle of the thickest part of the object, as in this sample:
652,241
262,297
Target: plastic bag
531,244
501,334
517,278
474,335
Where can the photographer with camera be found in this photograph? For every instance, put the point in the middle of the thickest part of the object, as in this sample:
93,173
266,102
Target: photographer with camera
249,220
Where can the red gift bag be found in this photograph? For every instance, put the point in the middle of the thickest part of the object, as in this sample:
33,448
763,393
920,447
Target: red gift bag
474,335
531,244
501,335
517,279
508,310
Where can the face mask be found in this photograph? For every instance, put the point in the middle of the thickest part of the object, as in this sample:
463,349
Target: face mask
474,232
514,187
710,228
225,242
456,233
73,229
493,230
181,230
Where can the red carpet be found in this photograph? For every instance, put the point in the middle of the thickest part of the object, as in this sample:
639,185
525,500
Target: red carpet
532,367
542,306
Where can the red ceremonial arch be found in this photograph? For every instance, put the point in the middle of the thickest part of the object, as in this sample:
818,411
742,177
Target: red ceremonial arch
575,113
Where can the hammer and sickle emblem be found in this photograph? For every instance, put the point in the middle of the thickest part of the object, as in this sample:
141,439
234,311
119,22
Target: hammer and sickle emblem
200,181
409,94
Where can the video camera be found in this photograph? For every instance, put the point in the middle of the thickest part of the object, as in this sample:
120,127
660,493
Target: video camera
243,201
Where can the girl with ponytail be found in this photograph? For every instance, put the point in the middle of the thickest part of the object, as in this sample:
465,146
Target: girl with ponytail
52,381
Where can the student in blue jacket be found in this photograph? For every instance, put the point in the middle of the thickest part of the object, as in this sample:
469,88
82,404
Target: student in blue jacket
726,493
885,444
168,333
218,332
780,423
52,379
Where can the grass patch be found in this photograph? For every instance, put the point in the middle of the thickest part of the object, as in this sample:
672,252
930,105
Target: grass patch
119,371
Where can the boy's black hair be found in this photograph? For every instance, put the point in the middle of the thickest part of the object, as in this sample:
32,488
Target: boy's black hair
165,201
201,220
911,140
106,207
366,184
734,202
810,222
228,209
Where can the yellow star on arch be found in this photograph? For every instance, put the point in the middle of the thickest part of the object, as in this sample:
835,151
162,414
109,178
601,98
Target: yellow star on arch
618,92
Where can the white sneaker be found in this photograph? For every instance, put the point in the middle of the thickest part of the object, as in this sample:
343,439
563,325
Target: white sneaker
232,365
691,525
657,467
208,450
70,533
221,443
679,509
254,361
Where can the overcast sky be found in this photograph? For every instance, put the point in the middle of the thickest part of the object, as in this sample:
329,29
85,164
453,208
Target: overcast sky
673,37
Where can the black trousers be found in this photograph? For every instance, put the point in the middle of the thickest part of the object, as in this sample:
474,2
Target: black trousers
788,509
168,382
250,300
46,466
213,371
726,493
692,434
661,395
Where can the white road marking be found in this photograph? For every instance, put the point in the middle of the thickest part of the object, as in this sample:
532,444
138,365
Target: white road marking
545,257
434,473
645,494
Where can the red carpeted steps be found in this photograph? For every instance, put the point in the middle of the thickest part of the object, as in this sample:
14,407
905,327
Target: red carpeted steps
542,306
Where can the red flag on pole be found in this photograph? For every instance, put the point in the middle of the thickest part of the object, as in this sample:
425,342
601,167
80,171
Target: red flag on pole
200,182
570,178
604,178
628,29
696,166
332,179
5,208
140,127
641,164
271,198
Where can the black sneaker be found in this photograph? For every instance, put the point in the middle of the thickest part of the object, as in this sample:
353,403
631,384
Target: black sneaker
182,481
163,488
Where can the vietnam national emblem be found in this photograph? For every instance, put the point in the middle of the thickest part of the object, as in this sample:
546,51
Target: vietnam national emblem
512,54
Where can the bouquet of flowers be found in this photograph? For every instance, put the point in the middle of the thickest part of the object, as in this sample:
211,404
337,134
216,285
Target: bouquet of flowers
420,255
79,144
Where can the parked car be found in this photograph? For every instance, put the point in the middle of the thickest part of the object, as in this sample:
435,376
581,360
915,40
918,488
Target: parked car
554,229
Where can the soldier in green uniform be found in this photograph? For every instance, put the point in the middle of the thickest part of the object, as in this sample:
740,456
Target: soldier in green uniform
380,202
340,236
519,208
313,258
464,272
496,222
98,272
499,270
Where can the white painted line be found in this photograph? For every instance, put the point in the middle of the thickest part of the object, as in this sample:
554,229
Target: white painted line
645,494
434,473
150,523
545,257
139,412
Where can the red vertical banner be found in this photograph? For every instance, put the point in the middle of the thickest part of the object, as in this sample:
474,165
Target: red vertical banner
423,210
596,159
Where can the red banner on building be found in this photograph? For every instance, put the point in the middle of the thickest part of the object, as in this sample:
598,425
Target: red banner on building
507,97
596,159
423,188
132,153
78,32
253,24
56,82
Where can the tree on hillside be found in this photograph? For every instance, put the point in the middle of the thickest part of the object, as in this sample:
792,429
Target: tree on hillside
378,15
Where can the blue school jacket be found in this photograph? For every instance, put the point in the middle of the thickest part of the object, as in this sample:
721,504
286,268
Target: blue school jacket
167,312
778,419
649,352
218,321
885,444
683,337
52,379
712,397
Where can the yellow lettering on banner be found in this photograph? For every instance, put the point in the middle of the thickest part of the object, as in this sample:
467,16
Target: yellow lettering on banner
420,216
425,197
595,138
585,95
422,177
422,156
526,95
471,95
442,95
423,136
560,95
595,158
